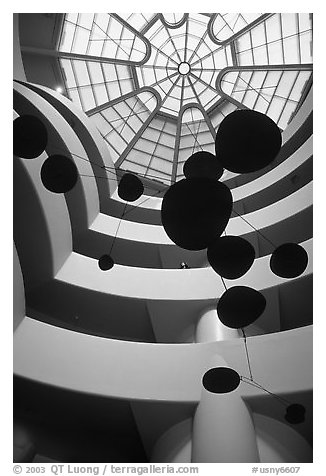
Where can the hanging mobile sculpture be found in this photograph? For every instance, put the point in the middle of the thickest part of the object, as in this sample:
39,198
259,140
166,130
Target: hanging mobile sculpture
195,212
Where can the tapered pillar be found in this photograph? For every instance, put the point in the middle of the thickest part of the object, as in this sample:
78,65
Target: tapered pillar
174,446
223,430
210,328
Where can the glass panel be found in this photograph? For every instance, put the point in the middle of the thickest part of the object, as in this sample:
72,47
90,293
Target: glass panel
115,38
226,25
267,91
280,37
87,98
100,94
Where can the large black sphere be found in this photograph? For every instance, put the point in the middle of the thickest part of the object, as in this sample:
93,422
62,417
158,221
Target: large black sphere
59,174
105,262
203,164
295,413
289,260
195,211
221,380
130,188
240,306
230,256
30,137
247,141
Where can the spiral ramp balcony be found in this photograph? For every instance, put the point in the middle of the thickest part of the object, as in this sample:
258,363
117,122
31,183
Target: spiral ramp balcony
108,365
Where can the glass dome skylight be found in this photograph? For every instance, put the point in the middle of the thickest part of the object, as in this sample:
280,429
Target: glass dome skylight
158,85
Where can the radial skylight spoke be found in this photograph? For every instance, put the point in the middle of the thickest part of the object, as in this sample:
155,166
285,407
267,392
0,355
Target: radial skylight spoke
175,48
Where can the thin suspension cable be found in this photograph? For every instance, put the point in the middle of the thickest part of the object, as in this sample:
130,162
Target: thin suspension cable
247,355
109,169
224,283
116,233
126,171
146,199
54,146
133,206
252,226
257,385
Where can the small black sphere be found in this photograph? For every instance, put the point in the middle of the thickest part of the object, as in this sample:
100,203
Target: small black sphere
221,380
289,260
130,187
59,174
295,413
230,256
105,262
203,164
247,141
30,137
240,306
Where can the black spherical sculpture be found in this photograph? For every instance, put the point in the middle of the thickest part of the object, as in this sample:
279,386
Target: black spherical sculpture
221,380
295,413
230,256
240,306
130,188
195,211
30,137
59,174
203,164
247,141
105,262
289,260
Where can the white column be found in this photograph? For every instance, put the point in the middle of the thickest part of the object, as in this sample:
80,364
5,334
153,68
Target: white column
223,429
210,328
174,446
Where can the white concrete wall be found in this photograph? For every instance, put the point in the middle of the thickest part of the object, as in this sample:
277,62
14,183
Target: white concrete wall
281,362
165,284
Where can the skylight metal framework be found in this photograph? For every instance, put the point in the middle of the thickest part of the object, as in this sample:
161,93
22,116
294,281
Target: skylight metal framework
158,85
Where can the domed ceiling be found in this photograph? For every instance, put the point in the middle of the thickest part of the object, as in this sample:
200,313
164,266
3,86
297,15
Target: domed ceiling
158,85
